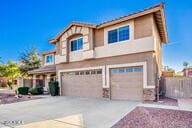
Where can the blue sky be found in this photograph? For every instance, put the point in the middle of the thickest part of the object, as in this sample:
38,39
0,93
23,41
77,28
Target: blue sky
31,23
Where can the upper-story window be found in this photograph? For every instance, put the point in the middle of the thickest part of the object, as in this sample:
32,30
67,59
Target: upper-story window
77,44
49,59
119,34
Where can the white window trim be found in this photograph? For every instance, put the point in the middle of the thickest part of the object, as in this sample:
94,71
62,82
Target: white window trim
46,59
118,35
131,32
83,69
144,64
74,40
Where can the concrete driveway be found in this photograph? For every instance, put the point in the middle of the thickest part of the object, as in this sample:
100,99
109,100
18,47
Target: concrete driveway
95,113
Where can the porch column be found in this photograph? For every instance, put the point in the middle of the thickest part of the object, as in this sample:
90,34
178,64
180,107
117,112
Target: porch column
47,80
41,77
34,80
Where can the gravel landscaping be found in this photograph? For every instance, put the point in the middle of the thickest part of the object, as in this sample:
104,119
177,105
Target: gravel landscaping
7,98
142,117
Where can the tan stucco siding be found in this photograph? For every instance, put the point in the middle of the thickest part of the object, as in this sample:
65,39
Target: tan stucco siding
58,48
132,58
143,26
158,47
99,37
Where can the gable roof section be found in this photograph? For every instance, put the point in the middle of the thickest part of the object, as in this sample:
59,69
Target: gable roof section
69,26
157,10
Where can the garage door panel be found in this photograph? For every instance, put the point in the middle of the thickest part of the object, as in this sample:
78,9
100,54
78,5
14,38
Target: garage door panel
82,85
127,85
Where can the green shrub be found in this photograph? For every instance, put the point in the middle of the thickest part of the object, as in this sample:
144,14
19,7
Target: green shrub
33,91
10,84
54,88
39,89
23,90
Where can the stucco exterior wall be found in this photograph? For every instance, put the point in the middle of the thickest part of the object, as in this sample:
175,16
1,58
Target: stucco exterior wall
158,47
143,26
98,37
133,58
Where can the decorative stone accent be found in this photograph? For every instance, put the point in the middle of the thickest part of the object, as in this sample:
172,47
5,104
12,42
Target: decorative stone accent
106,93
149,94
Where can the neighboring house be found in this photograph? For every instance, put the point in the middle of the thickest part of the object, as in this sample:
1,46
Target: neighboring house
168,73
118,59
187,71
47,72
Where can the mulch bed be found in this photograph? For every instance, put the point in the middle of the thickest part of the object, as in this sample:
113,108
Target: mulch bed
142,117
165,101
7,98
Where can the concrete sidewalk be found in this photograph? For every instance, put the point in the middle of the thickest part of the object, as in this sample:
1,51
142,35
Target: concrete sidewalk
74,121
185,104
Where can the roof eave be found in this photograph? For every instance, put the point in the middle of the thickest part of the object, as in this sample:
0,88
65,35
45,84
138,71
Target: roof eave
164,26
53,41
129,17
49,52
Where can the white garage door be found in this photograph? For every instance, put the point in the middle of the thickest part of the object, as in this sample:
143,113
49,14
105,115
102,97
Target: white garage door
127,83
82,83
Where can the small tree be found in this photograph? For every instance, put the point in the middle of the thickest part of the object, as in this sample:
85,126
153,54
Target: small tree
10,70
30,60
185,64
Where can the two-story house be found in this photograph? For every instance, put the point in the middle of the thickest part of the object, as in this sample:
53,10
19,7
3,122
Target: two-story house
118,59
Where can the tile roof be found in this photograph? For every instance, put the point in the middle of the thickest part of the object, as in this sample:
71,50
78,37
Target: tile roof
48,52
44,69
158,11
161,4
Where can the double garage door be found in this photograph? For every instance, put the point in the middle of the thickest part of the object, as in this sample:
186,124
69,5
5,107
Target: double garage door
125,83
82,83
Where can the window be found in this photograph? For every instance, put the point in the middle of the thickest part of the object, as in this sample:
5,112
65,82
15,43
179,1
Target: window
77,44
113,71
138,69
121,70
49,59
93,72
129,69
124,33
118,35
87,72
99,71
82,73
112,36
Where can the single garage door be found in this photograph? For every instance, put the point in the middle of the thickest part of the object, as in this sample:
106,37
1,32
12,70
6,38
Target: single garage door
82,83
127,83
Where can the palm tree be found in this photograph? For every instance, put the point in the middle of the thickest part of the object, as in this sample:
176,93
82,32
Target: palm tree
185,64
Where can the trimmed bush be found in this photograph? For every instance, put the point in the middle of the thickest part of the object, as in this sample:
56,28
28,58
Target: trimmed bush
54,88
39,89
33,91
23,90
